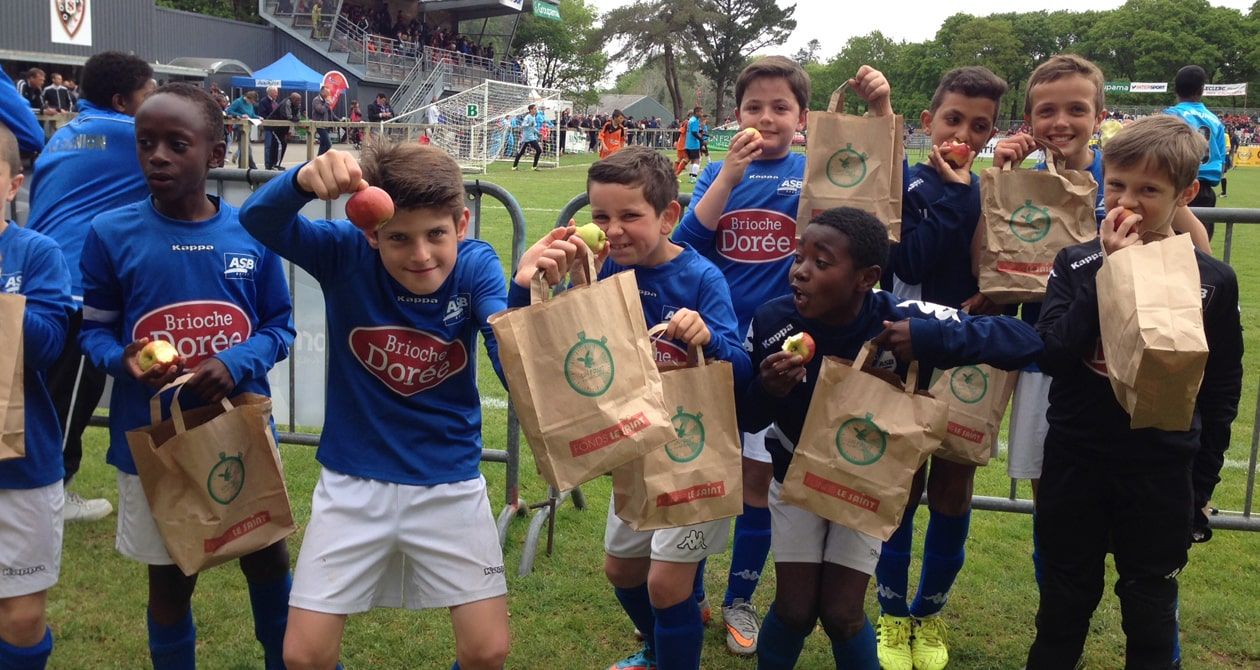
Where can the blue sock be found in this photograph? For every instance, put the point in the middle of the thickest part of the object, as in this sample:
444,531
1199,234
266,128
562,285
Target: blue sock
748,556
638,606
679,636
27,658
857,652
270,602
943,555
1036,555
453,667
779,647
891,572
173,647
697,586
1177,637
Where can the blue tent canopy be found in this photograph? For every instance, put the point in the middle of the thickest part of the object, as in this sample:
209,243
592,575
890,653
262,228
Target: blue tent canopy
288,73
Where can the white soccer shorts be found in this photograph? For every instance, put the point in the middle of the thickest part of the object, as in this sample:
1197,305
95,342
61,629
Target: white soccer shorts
30,539
1028,429
800,536
685,544
137,536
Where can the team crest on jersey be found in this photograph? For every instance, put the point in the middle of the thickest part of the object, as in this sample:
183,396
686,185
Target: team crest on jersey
199,329
457,309
790,186
407,361
239,266
11,283
756,235
1205,293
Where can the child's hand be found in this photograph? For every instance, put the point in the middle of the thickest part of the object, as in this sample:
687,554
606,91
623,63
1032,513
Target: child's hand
780,372
577,268
980,305
896,338
156,376
211,381
1013,150
552,255
874,88
1125,234
745,148
331,175
949,173
687,327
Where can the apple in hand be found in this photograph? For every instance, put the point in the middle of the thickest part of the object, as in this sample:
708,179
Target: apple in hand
1124,214
593,236
955,153
370,209
752,133
800,344
157,352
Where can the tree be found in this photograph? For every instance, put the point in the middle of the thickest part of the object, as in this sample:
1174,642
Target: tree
727,31
566,55
650,32
809,53
241,10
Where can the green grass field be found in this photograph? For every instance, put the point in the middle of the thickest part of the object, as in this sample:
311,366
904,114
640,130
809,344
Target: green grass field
564,615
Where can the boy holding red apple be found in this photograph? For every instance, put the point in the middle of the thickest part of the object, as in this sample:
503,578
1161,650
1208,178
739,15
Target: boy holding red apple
400,516
179,267
822,568
633,196
31,491
933,262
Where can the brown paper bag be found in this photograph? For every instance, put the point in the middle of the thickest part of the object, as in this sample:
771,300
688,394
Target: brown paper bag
853,161
582,376
12,377
697,476
1027,217
1150,313
213,479
861,444
977,396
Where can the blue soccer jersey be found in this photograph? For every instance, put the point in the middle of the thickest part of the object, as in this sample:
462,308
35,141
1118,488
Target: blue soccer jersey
403,405
205,286
1210,127
32,266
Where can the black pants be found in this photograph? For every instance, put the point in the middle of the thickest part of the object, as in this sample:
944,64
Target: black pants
1206,198
325,143
1144,518
60,379
563,132
532,144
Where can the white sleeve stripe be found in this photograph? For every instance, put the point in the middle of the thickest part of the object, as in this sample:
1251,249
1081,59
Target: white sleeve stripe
100,315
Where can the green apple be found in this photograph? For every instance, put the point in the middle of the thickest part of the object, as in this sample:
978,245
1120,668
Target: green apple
593,236
753,133
157,352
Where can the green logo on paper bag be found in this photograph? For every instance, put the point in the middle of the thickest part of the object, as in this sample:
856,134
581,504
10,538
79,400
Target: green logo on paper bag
969,384
1029,222
690,442
226,479
588,367
860,441
847,167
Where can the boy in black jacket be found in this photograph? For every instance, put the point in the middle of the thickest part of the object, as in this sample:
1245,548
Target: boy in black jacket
1104,485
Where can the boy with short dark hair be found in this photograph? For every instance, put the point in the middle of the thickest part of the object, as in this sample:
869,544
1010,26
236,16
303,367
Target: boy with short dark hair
400,516
933,261
822,568
1106,487
633,196
31,492
743,218
178,266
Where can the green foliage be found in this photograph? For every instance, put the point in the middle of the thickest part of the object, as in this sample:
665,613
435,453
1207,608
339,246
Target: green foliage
566,55
649,31
240,10
726,32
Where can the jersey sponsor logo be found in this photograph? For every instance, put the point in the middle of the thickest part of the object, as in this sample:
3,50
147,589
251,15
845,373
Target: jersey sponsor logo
915,184
11,283
669,354
239,266
457,309
23,572
199,329
939,312
1097,362
407,361
492,570
1086,260
192,247
790,186
756,235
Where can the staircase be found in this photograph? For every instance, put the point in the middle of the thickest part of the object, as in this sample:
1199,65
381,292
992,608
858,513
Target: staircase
418,90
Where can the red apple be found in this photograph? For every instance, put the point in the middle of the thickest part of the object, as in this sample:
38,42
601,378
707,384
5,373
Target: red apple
1125,213
955,153
157,352
800,344
370,209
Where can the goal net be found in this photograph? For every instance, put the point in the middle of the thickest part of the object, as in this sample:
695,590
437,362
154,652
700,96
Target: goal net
483,124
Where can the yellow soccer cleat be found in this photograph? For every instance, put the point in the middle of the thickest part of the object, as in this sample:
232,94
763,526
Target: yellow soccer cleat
892,635
927,647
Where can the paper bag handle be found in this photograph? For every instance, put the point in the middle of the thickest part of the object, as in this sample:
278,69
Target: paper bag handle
912,374
177,412
1053,154
695,353
539,291
836,103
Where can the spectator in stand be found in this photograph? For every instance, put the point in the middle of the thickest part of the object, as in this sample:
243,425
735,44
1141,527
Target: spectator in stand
290,110
321,110
271,143
15,115
380,110
72,90
31,87
242,108
56,97
355,135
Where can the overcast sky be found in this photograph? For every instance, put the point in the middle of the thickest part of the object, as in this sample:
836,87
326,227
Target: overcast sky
833,22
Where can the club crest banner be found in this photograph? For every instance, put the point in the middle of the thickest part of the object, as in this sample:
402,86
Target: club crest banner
71,22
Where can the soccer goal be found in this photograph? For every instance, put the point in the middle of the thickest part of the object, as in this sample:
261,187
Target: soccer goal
482,124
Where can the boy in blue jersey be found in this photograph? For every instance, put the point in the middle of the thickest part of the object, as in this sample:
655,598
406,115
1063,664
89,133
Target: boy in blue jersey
31,492
695,140
939,217
178,266
400,516
633,196
88,167
743,218
1189,84
822,568
529,136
